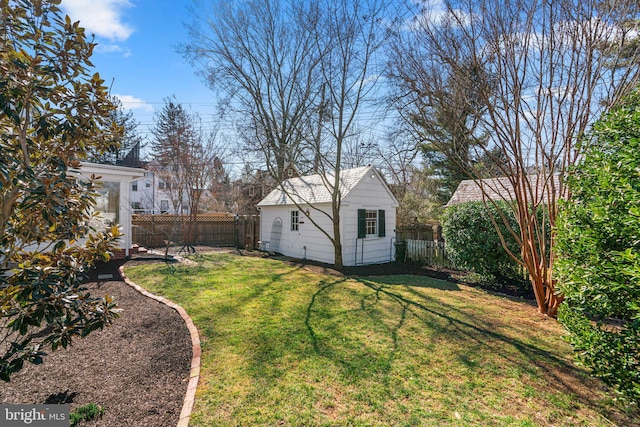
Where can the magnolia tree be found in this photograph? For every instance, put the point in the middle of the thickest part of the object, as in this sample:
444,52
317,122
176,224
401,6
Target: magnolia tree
53,113
524,80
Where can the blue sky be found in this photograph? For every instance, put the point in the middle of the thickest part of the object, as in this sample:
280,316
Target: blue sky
136,54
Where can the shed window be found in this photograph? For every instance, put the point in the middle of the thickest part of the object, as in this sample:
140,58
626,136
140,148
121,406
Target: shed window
372,222
295,220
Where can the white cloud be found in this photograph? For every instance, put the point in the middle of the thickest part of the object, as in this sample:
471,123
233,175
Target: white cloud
112,48
101,17
436,13
132,103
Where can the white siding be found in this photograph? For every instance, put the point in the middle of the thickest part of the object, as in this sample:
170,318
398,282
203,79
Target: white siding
370,194
308,242
150,196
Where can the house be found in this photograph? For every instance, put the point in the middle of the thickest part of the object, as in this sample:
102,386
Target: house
367,218
158,192
112,200
501,188
154,192
253,187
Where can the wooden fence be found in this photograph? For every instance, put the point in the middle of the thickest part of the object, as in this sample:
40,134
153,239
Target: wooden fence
422,243
427,252
222,230
419,232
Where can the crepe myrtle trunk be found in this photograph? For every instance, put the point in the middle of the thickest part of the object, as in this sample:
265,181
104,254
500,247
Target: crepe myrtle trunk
543,73
547,299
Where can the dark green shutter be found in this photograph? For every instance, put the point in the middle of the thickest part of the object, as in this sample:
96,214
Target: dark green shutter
381,224
362,223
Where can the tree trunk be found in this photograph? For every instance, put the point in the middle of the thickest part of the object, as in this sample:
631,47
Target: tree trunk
337,250
546,297
337,240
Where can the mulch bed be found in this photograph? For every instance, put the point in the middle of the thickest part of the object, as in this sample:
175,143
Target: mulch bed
137,369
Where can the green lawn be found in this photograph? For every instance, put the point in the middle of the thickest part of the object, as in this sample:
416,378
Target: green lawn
286,346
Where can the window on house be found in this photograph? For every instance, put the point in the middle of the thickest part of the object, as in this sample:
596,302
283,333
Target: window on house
148,185
134,186
136,206
108,202
372,222
289,173
295,220
164,206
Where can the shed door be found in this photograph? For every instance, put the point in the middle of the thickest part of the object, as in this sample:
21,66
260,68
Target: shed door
276,235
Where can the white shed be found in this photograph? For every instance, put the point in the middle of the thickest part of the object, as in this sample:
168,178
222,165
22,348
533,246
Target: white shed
367,218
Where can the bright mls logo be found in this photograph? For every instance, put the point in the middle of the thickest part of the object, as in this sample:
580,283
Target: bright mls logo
34,415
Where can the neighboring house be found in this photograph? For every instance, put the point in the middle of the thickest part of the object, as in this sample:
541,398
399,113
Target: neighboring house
367,218
501,188
154,194
253,187
112,200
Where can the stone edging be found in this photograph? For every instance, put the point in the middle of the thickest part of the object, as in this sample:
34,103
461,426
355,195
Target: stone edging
194,374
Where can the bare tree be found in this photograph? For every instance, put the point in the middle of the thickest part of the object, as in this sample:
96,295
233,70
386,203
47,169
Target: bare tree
414,184
542,77
186,161
361,150
260,58
300,74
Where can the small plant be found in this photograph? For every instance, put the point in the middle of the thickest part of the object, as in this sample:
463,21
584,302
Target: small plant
87,412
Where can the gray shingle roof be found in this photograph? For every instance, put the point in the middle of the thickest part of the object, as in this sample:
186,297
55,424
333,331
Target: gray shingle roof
498,189
312,189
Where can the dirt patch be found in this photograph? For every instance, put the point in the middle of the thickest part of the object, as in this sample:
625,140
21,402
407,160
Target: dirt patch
138,369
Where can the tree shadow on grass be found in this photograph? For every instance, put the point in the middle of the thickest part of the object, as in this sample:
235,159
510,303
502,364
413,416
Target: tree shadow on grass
560,373
352,355
477,335
413,281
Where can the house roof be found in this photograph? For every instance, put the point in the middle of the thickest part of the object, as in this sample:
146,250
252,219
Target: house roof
501,188
110,170
312,189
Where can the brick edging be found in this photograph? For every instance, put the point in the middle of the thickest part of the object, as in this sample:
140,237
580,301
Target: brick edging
194,374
